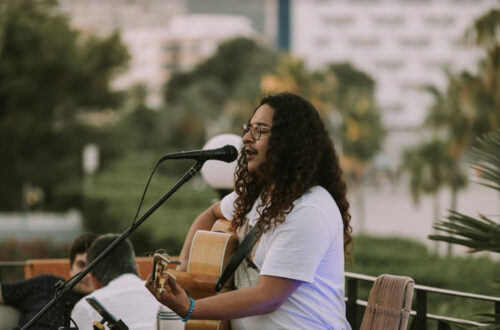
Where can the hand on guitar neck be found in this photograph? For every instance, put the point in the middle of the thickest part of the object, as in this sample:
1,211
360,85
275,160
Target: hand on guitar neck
209,253
169,293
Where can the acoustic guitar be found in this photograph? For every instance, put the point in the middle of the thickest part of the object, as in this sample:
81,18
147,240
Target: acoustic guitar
210,253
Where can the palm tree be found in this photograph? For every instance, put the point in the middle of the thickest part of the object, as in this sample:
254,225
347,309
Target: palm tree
485,32
470,104
479,233
482,91
352,95
470,107
428,165
292,75
450,119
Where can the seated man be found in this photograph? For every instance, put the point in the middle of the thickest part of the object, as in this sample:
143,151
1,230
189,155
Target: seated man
31,295
118,288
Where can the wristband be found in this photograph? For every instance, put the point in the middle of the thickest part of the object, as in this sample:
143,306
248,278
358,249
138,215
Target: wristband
191,308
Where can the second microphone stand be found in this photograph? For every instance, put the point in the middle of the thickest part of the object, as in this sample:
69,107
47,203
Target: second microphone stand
69,285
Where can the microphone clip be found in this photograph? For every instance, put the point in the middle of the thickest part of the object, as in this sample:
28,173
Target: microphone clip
113,323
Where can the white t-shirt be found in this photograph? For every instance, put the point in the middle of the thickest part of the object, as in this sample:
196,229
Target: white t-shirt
308,246
126,298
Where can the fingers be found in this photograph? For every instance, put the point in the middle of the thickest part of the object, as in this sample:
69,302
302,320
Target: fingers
172,284
161,289
170,294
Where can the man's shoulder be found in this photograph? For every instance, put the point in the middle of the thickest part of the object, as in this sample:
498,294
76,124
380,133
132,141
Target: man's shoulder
47,278
121,284
42,281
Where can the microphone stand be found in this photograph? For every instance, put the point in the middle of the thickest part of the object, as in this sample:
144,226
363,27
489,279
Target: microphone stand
69,285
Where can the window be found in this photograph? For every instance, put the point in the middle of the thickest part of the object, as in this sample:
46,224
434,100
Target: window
393,107
437,63
322,41
339,20
388,64
172,47
439,21
365,42
414,42
415,1
408,86
389,20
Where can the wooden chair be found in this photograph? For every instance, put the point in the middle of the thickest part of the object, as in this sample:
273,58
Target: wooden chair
389,303
60,267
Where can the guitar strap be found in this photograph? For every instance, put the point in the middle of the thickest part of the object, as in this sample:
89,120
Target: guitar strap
241,252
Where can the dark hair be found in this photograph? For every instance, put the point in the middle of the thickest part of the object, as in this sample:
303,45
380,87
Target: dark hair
80,245
300,155
120,261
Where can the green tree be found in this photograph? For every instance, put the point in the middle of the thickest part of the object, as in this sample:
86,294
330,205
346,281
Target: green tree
482,233
485,33
362,129
430,168
470,104
475,98
345,98
342,89
218,92
449,120
466,108
49,75
479,233
362,132
470,107
291,74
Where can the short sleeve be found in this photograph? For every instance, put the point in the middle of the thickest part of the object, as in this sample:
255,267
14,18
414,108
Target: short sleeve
226,205
297,246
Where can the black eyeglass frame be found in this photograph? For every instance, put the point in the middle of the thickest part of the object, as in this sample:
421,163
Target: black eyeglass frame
256,130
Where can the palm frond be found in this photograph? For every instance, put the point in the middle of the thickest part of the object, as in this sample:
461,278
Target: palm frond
487,155
479,234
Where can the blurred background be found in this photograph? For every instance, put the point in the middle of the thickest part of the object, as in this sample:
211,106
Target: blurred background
94,92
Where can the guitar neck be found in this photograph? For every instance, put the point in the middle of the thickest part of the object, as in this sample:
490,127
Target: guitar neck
199,285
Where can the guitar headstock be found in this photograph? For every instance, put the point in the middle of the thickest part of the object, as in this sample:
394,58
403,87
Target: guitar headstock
160,270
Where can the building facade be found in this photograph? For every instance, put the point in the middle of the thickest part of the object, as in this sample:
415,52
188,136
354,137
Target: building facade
403,44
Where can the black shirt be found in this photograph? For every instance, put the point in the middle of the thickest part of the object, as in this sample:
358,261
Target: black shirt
31,295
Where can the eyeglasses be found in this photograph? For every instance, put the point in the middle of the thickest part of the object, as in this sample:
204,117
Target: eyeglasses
256,130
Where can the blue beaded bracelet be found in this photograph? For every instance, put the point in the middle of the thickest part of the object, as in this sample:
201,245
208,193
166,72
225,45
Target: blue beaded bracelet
191,308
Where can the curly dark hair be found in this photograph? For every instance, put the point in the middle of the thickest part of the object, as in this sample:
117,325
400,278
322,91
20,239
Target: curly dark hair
300,155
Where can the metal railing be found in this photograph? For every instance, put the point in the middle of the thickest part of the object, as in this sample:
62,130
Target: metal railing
419,313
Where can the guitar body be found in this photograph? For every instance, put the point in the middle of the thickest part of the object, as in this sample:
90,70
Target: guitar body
210,253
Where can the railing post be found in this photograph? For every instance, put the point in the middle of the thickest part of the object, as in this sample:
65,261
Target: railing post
497,311
442,325
421,317
352,297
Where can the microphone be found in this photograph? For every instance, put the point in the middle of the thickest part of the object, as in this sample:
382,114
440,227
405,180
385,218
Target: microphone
227,154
